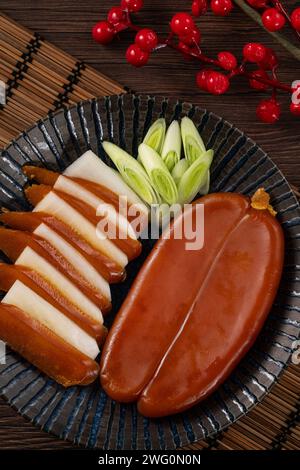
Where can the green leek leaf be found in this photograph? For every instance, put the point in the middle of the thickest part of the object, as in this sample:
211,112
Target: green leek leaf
179,169
156,135
192,142
132,173
172,146
194,178
158,173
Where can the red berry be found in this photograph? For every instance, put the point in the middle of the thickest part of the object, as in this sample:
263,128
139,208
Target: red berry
254,52
295,109
103,32
201,79
295,19
270,61
258,3
135,56
146,39
255,83
268,111
194,37
221,7
199,7
272,19
217,83
132,5
115,15
182,24
227,60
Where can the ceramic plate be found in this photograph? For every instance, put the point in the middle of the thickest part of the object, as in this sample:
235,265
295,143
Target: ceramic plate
87,416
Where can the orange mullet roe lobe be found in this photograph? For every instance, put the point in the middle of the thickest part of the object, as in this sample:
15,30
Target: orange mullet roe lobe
191,337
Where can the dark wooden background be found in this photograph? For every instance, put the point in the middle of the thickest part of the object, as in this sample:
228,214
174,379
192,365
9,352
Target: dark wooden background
68,23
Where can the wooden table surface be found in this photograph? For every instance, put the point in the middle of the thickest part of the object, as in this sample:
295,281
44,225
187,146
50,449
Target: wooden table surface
68,23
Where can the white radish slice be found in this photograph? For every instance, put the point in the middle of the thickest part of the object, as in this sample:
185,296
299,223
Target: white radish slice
72,188
42,311
82,266
54,205
92,168
33,260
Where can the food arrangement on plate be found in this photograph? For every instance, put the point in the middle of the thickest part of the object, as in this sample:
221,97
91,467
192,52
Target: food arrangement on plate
190,315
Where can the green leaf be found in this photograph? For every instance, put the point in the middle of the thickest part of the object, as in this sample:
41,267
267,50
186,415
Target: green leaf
192,142
195,178
156,135
172,146
132,173
179,169
158,173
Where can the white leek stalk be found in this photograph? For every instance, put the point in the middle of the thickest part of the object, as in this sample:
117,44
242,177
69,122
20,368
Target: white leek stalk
172,146
132,172
156,135
194,178
158,173
179,169
192,142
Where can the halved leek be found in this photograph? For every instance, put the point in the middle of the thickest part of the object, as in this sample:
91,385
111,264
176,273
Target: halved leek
132,172
158,173
194,178
179,169
172,146
156,135
192,142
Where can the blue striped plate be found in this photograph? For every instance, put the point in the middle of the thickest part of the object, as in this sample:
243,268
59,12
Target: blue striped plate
86,416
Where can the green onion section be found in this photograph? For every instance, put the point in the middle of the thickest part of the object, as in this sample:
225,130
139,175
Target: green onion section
155,136
179,169
132,173
194,178
158,173
172,146
192,143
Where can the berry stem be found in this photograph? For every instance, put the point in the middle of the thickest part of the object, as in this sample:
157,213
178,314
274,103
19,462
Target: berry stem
194,54
274,83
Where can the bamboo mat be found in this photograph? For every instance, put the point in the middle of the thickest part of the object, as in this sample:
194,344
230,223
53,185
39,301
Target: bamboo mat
42,78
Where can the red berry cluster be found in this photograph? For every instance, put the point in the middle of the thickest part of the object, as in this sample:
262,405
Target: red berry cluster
145,42
218,7
117,20
185,37
275,16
